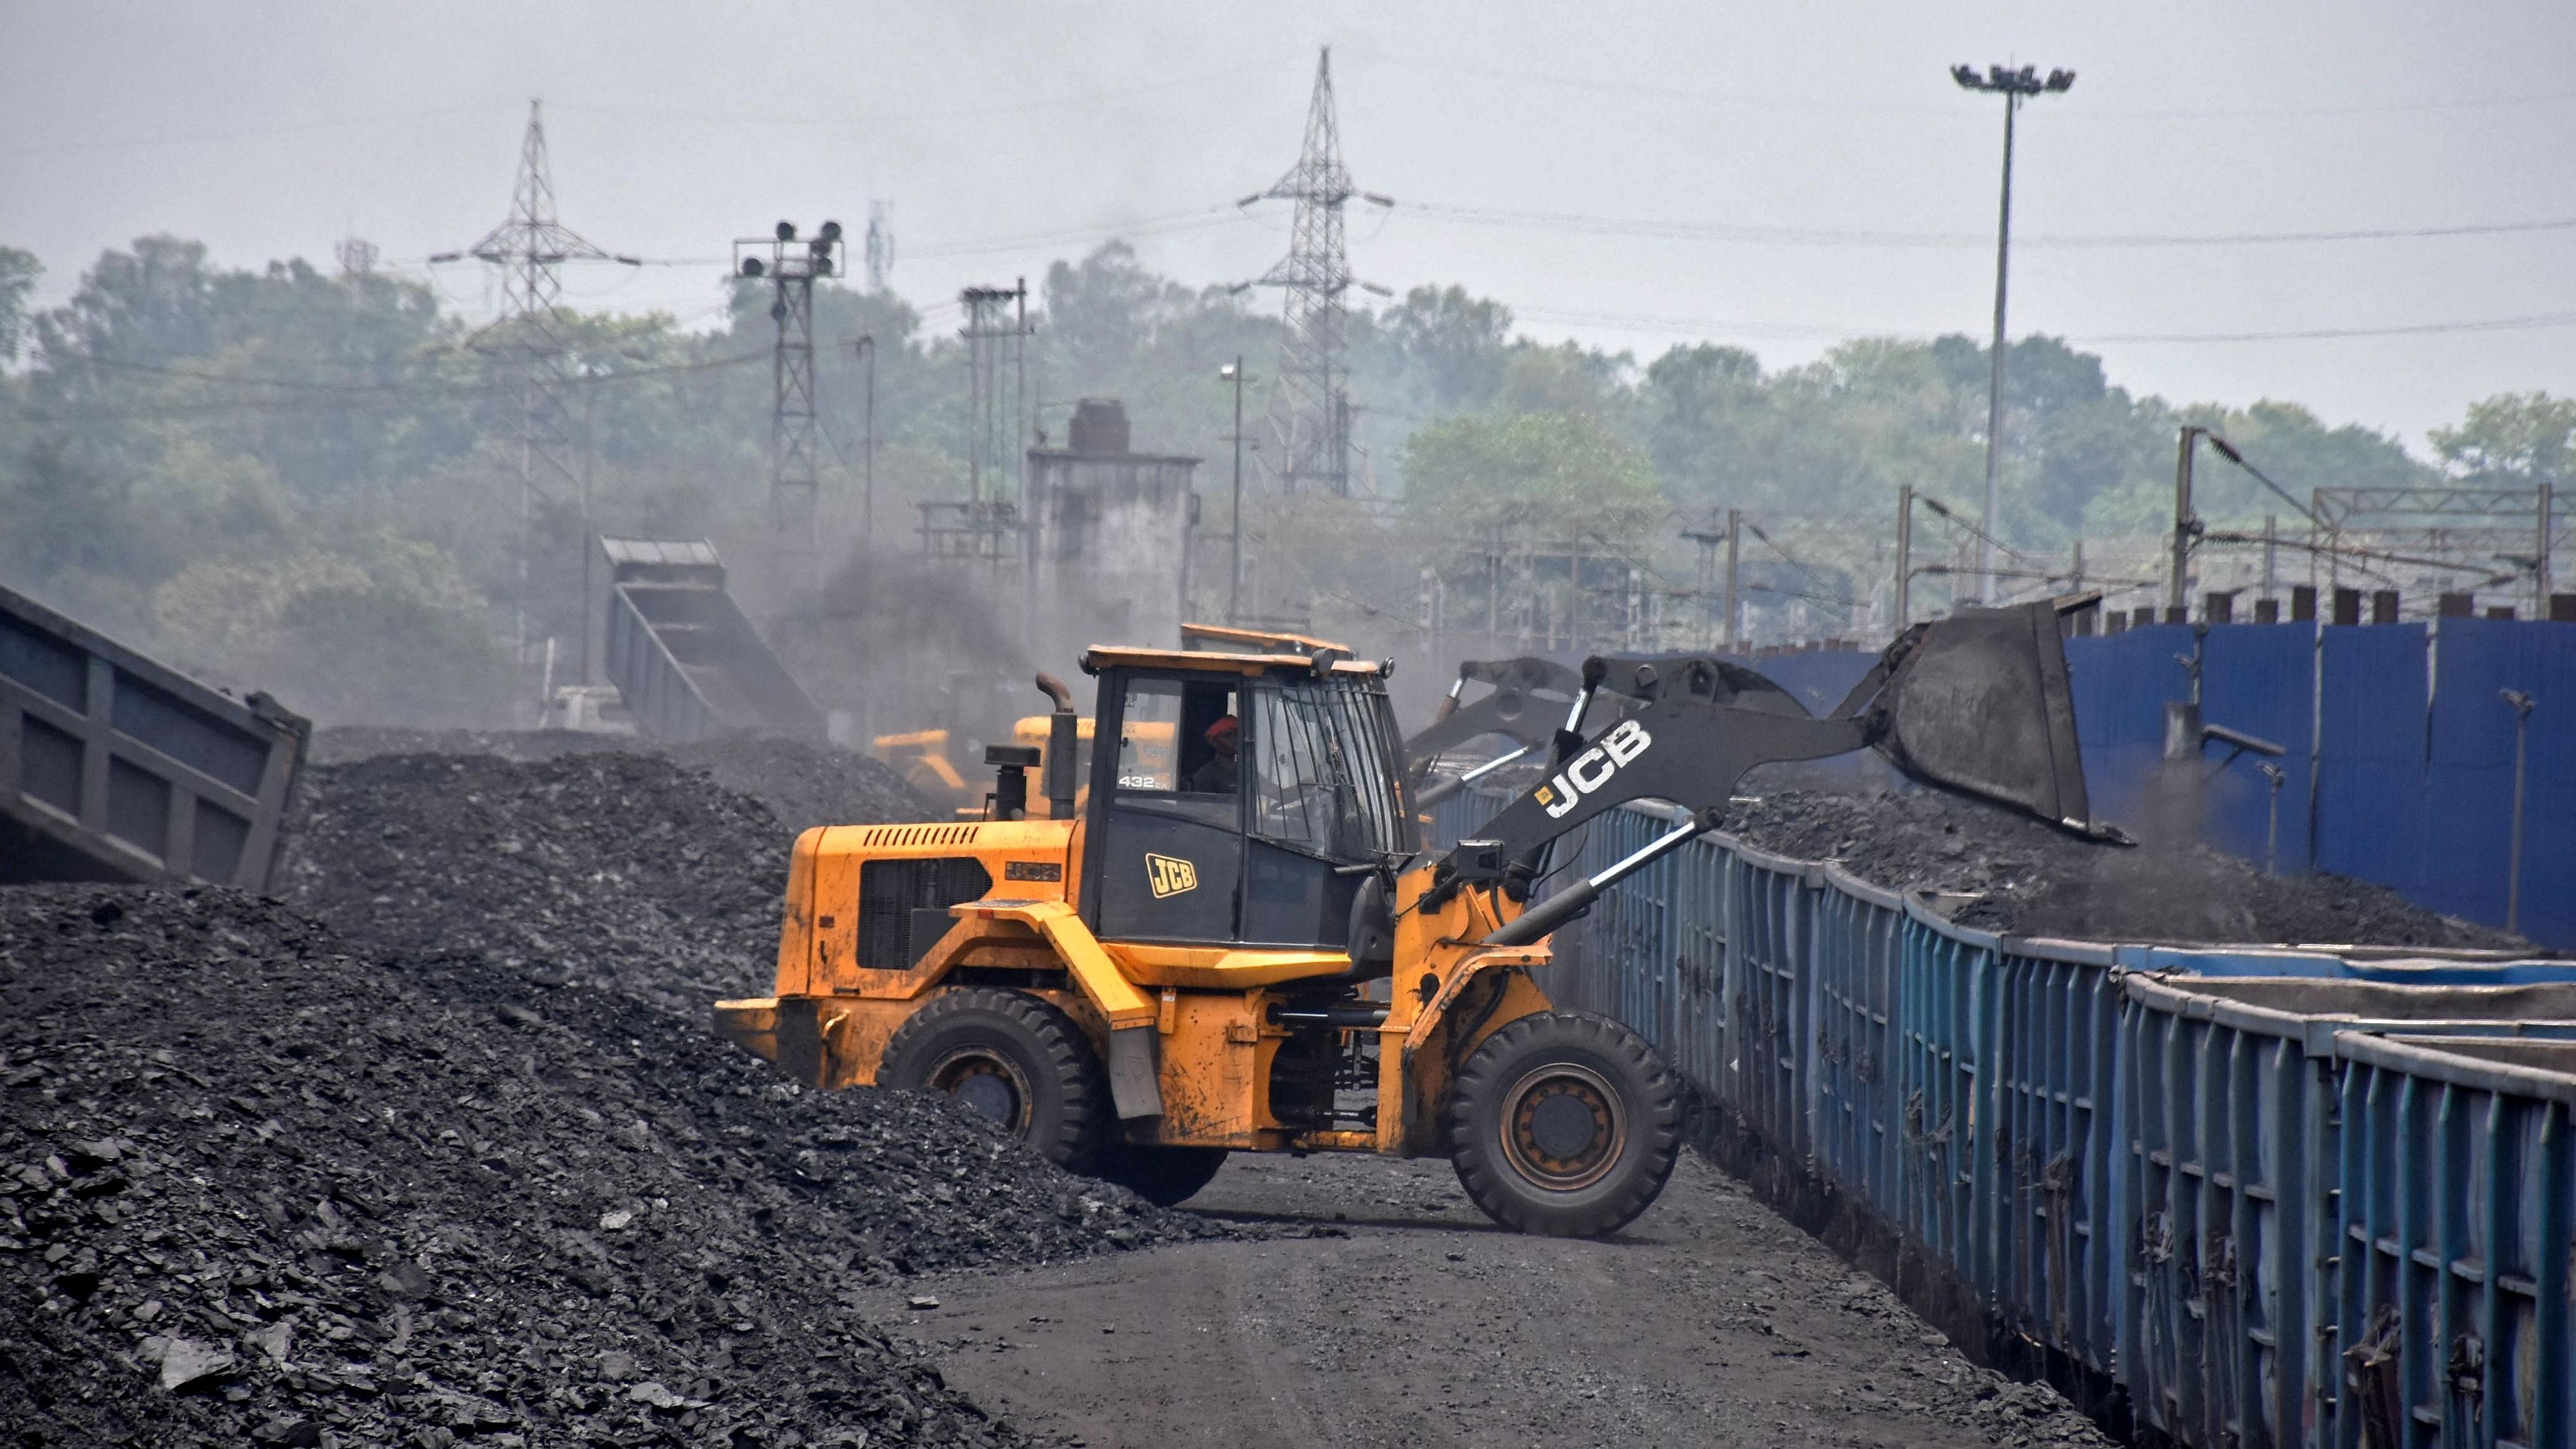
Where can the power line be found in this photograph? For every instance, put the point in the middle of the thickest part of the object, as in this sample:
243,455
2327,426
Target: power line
347,397
1577,223
1704,326
1840,105
2418,329
238,133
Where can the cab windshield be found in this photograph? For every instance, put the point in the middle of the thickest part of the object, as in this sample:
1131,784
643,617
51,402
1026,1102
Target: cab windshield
1324,768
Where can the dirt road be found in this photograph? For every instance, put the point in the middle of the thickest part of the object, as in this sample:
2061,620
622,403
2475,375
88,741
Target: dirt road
1709,1321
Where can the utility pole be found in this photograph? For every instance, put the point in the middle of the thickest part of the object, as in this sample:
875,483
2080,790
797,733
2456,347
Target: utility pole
527,249
1310,403
2178,589
880,243
2014,86
1233,372
1904,557
1734,598
794,480
867,349
2540,572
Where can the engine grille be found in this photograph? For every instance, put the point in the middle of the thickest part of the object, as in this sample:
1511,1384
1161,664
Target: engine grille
891,890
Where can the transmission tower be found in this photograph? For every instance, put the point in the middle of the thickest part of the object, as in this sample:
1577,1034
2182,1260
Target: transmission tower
1310,404
529,337
794,478
880,243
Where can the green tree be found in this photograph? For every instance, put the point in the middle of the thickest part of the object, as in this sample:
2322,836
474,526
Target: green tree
1708,419
1451,344
2521,437
1553,474
18,273
2292,445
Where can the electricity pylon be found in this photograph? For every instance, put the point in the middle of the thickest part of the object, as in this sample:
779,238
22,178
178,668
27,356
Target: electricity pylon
530,337
1310,403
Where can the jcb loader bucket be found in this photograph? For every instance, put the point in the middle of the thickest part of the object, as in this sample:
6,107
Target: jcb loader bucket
1979,702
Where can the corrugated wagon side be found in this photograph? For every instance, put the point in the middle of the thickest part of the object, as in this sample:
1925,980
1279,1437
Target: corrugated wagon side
114,766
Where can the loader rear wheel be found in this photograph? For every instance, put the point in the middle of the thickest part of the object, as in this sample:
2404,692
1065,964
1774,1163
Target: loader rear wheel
1564,1124
1163,1176
1015,1060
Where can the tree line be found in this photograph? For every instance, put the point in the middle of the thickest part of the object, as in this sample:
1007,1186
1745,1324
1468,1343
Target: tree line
308,479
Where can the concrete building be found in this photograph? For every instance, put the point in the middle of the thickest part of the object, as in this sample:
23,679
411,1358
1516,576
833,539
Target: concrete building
1107,540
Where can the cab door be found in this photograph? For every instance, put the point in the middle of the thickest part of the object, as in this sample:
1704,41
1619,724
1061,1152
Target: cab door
1165,862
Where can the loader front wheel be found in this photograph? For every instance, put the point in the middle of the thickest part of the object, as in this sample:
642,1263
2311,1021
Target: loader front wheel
1564,1124
1016,1061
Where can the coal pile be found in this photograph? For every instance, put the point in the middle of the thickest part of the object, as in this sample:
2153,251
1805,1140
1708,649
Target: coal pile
2025,878
803,784
257,1187
614,870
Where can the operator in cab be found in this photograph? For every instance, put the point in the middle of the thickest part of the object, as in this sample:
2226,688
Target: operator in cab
1221,771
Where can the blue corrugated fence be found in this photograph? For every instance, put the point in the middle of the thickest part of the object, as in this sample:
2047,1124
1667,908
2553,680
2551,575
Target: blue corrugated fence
2259,1196
2399,751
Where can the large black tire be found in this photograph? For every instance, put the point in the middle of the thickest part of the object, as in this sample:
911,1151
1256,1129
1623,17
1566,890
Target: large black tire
1164,1176
1564,1124
1016,1060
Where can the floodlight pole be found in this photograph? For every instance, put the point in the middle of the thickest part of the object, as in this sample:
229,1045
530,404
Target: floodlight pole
867,347
2013,86
1904,558
1234,591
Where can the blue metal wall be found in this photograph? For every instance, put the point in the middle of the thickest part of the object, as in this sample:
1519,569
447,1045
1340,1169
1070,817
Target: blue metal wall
2121,684
2370,765
2196,1189
2469,774
2399,763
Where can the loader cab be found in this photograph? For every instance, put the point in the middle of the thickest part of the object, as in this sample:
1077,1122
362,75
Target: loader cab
1263,843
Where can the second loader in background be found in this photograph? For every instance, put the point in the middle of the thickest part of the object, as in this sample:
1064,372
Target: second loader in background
1210,952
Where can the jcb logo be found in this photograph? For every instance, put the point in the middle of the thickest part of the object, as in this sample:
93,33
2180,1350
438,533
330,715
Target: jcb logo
1589,771
1170,875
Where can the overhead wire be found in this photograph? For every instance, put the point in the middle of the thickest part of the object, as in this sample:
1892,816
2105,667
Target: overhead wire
1583,224
343,397
1860,105
1707,326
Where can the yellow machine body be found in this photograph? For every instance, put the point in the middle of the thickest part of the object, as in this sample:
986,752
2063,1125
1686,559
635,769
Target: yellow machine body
1208,1009
828,1020
928,761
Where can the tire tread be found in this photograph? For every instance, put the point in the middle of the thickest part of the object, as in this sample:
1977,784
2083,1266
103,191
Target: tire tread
1656,1121
1066,1057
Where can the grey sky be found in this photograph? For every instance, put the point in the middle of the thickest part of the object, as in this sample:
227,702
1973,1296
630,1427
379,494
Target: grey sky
1763,136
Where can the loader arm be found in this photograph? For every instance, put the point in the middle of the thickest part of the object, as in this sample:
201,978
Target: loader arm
1527,705
1977,704
1532,703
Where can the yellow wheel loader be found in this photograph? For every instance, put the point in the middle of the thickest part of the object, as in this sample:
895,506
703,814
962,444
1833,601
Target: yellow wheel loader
1237,942
927,761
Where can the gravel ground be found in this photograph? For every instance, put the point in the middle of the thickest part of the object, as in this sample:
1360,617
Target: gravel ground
2032,880
1710,1320
258,1186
